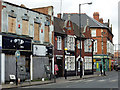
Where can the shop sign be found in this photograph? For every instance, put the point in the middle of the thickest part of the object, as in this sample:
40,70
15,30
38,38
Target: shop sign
10,43
39,50
59,56
67,53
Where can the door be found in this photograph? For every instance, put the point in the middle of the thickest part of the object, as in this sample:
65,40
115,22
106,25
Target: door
60,67
27,66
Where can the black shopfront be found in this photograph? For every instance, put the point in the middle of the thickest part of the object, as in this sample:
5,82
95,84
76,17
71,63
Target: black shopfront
10,44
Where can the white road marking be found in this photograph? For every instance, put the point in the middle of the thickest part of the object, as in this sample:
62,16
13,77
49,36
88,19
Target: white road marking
114,80
101,80
89,80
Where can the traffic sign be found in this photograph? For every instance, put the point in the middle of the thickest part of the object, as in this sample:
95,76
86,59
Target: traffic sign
17,54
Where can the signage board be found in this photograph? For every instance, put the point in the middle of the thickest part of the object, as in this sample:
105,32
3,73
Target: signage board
39,50
9,43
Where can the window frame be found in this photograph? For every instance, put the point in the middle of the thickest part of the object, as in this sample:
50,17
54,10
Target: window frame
59,43
93,33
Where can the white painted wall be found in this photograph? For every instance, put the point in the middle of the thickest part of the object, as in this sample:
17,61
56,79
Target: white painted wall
31,67
2,68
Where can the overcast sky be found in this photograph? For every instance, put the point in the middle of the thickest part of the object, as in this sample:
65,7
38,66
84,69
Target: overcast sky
108,9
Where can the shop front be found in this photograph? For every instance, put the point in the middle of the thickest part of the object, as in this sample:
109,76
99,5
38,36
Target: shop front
40,61
10,44
99,60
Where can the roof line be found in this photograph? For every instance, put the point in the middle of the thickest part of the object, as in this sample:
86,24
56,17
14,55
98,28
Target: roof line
24,8
43,7
74,13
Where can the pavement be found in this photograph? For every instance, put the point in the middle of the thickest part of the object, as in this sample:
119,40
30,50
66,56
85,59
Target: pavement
57,80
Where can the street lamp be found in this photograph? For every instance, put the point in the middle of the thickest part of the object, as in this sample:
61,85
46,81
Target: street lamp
92,54
17,45
103,53
81,34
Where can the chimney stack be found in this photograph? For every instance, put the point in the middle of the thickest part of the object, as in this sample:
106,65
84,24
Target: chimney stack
59,15
96,16
101,20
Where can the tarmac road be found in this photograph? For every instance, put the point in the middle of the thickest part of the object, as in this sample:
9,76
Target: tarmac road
108,81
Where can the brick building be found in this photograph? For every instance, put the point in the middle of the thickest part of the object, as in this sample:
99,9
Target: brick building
101,33
67,47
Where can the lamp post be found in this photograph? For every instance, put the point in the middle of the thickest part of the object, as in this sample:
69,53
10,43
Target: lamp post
92,54
81,34
103,53
17,54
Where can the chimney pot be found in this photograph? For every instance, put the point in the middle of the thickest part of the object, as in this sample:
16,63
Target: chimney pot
101,20
96,16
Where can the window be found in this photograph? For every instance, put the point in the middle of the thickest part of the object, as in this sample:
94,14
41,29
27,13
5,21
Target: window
70,43
25,30
110,47
46,34
25,25
36,31
11,24
59,43
88,45
88,62
70,63
65,42
93,33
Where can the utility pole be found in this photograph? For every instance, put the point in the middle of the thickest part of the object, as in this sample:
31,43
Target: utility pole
81,35
103,53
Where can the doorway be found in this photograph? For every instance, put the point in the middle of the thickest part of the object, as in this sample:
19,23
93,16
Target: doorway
60,67
27,66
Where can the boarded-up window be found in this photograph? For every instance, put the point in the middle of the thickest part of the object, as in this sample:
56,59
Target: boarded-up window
25,30
46,34
11,25
36,31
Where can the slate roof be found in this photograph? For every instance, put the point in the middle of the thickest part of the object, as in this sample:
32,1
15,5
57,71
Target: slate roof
58,25
92,22
75,18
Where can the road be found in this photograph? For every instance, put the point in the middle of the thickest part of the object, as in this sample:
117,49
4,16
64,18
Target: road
109,81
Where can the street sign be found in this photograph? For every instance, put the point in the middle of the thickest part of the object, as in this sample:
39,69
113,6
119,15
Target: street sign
17,54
